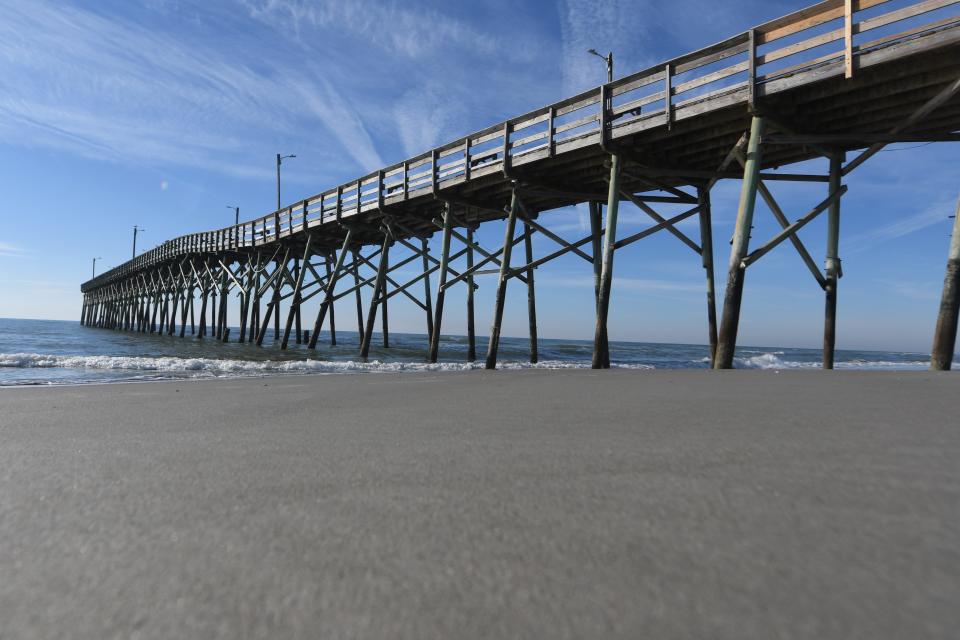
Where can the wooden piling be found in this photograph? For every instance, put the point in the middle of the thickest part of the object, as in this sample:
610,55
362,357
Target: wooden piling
596,241
730,320
357,295
494,344
277,285
298,328
945,334
327,302
427,297
333,309
706,252
531,295
378,290
471,325
296,298
601,340
384,317
441,286
832,266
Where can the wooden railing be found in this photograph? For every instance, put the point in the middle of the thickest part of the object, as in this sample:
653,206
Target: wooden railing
818,42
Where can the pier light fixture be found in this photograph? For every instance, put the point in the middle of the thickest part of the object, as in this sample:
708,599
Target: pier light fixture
608,59
280,160
136,230
93,272
236,211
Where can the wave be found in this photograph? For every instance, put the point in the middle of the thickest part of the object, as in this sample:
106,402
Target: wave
227,367
772,361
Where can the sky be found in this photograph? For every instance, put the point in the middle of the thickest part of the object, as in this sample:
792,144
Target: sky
162,113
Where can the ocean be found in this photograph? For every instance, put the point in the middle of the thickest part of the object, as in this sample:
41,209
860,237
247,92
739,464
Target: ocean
47,352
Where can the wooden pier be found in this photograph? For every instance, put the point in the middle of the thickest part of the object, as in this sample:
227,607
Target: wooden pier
838,80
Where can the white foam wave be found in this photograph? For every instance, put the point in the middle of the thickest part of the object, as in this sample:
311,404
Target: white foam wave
227,367
772,361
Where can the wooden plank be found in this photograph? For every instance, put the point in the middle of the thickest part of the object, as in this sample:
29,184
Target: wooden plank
807,18
799,47
720,74
901,14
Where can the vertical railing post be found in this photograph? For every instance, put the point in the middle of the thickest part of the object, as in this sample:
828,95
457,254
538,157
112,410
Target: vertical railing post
730,320
751,69
668,94
848,38
945,335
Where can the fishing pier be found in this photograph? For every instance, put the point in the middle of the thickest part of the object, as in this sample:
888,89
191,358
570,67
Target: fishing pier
834,82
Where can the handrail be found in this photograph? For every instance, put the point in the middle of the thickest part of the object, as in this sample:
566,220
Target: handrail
762,59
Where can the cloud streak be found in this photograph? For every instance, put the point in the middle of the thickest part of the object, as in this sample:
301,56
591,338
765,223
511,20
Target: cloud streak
935,214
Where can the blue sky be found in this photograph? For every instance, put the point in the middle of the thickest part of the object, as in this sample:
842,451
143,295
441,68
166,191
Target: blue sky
160,113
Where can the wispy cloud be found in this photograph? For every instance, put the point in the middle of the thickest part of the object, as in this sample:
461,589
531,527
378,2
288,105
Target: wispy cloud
927,291
937,213
397,28
110,88
605,25
8,250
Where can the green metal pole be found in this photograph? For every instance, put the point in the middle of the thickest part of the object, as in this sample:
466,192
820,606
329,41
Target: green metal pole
600,339
730,321
832,265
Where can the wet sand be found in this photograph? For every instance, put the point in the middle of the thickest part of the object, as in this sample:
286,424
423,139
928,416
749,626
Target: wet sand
527,504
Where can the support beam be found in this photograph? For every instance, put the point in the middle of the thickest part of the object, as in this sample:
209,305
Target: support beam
730,321
601,340
508,241
929,107
945,335
832,266
441,289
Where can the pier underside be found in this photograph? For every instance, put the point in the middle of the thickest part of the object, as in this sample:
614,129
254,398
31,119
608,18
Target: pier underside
746,108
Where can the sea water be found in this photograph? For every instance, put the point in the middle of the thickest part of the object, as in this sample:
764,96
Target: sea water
35,352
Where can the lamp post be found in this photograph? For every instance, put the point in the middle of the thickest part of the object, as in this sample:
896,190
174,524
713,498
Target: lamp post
136,230
608,59
93,271
236,211
280,160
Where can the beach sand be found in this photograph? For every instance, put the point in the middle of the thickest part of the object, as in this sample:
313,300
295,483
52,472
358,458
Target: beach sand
525,504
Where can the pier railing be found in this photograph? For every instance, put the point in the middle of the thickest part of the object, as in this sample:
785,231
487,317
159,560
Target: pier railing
829,39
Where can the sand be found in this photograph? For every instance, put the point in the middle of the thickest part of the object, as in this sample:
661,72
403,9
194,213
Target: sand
527,504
